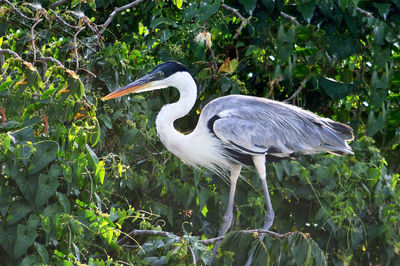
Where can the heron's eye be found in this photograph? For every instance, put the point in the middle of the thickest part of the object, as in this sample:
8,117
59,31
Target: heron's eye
159,74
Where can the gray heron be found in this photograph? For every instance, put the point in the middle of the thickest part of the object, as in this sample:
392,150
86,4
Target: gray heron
237,130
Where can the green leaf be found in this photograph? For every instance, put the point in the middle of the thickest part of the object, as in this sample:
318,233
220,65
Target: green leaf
7,240
29,261
18,211
306,9
383,9
48,185
207,9
106,119
93,159
335,89
25,238
100,172
63,201
249,5
374,123
46,152
42,252
27,186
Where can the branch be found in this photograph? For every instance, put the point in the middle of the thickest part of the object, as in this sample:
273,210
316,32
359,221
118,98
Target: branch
116,11
365,13
234,11
51,59
303,83
204,241
140,233
8,51
193,255
289,17
243,19
33,39
63,21
16,10
76,48
58,3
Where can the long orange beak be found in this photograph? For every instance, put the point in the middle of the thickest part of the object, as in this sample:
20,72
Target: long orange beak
139,85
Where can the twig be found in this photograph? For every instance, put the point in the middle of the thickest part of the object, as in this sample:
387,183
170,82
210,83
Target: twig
33,39
76,48
8,51
116,11
141,232
87,71
303,83
193,256
58,3
365,13
244,20
63,21
16,10
204,241
289,17
234,11
51,59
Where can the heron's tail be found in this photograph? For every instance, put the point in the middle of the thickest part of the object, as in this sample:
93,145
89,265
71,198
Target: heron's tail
345,131
341,133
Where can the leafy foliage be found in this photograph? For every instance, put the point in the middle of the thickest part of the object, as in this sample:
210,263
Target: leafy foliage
77,175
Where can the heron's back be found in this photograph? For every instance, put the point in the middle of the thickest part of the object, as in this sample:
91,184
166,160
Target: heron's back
251,125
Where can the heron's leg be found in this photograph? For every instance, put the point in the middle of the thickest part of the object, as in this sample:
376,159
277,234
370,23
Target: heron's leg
259,163
228,216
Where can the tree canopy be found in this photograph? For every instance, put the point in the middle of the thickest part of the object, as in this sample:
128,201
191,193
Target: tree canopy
84,181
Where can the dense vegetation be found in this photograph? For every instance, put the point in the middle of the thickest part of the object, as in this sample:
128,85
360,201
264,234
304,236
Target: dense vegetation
87,182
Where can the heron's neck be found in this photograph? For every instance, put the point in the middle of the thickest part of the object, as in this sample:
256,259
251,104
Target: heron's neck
171,112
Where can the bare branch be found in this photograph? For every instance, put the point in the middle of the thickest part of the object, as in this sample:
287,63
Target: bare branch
193,255
51,59
33,39
365,13
234,11
303,83
63,21
58,3
244,20
76,48
141,232
8,51
289,17
87,71
126,238
116,11
16,10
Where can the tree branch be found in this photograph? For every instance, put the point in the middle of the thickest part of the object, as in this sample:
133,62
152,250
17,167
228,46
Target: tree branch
303,83
76,48
234,11
63,21
16,10
289,17
58,3
116,11
51,59
244,20
209,241
33,39
8,51
365,13
140,233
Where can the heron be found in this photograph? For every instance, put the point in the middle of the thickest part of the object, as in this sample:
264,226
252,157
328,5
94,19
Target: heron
237,130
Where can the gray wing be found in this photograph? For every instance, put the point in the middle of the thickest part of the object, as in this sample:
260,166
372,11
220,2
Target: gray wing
259,126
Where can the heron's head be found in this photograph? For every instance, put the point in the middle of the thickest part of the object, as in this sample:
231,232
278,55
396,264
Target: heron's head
160,77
